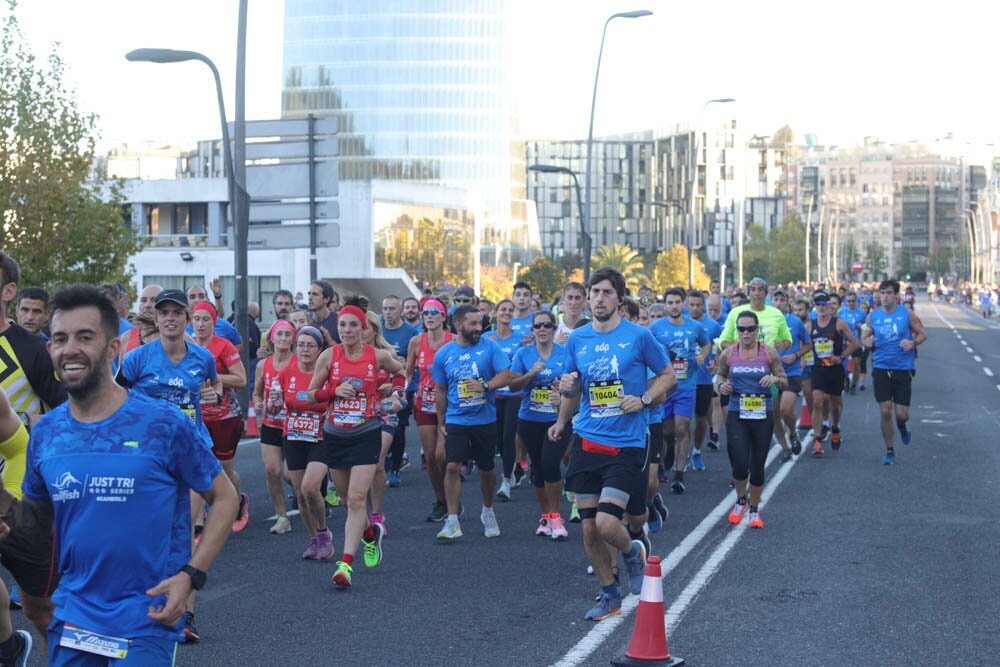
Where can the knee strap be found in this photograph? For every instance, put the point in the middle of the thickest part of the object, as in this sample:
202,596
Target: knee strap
612,509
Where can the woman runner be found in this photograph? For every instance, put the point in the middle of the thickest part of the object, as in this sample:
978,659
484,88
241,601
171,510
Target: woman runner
507,401
347,376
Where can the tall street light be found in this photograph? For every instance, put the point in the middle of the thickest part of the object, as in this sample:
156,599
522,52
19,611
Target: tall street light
667,204
590,131
553,169
694,185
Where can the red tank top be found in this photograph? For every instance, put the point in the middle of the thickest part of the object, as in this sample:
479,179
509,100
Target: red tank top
362,373
269,376
304,420
425,362
226,355
133,340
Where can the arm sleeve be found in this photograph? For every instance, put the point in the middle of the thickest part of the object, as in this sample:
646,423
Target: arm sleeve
15,453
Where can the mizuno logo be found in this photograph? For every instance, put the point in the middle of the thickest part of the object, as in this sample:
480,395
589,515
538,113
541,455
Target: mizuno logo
623,345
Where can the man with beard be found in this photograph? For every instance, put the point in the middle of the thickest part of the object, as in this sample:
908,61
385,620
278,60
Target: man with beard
610,361
467,371
411,312
281,306
123,548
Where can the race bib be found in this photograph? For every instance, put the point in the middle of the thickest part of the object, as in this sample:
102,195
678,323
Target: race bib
808,356
468,398
752,407
824,349
348,412
304,426
606,398
680,368
427,403
91,642
191,410
540,401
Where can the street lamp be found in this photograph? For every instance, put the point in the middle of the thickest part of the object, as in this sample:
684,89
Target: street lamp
590,131
667,204
553,169
694,185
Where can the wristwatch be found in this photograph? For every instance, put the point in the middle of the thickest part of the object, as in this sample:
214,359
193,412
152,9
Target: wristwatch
646,399
198,577
26,420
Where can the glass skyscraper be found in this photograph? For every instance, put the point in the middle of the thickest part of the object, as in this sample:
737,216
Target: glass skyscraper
421,92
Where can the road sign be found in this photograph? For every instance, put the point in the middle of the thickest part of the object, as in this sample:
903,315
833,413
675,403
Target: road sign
857,267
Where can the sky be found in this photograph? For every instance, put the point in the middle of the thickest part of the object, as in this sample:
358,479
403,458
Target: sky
897,71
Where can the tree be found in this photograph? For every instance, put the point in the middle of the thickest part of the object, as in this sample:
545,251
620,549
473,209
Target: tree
544,276
671,268
569,261
495,282
756,252
623,258
61,223
787,262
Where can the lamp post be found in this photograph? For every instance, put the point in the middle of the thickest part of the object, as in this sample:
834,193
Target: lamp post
234,168
553,169
668,204
590,131
694,185
974,243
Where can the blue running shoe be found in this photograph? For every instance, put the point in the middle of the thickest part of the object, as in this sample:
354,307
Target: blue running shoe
607,606
890,456
696,461
393,480
905,434
636,564
654,520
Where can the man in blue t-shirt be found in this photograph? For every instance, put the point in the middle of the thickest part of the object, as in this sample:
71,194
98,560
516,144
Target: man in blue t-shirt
466,372
703,393
791,360
398,333
851,313
687,345
521,324
112,472
608,389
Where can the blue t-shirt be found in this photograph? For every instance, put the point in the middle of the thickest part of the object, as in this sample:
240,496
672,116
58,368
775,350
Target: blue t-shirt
454,364
123,326
799,338
119,489
521,326
681,341
712,331
510,345
612,365
535,405
854,318
890,329
151,372
400,337
222,328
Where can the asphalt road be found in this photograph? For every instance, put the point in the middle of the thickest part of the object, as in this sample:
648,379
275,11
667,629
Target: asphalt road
859,563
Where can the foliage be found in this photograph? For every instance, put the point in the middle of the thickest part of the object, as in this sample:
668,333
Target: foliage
495,282
787,261
623,258
569,261
756,252
434,252
940,260
60,227
544,276
672,270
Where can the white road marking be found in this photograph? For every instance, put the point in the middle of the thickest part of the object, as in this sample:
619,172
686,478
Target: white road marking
987,371
977,358
968,349
931,421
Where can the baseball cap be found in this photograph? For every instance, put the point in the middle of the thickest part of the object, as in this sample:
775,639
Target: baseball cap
172,296
780,291
465,290
819,296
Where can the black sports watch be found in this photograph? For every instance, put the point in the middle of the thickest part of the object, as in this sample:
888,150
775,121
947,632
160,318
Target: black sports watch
198,577
646,399
26,420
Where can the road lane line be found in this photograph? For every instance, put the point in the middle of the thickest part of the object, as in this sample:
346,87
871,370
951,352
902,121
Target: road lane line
987,371
977,358
603,629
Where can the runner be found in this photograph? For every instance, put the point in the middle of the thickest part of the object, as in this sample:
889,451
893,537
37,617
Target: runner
323,304
574,297
801,309
893,334
280,339
196,294
399,334
508,402
703,392
347,376
420,358
411,312
746,373
828,335
536,370
126,566
855,317
302,431
466,372
687,345
522,322
31,311
182,374
224,418
609,361
791,361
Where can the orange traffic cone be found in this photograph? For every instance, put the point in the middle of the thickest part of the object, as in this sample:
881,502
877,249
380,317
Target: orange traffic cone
253,428
649,636
805,419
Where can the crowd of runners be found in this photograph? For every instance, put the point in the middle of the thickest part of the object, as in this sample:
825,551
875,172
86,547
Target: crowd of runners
603,401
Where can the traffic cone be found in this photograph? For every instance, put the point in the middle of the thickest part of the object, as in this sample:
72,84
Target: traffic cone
649,636
253,428
805,419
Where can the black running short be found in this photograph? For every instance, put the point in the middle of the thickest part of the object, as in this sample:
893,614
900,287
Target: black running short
794,384
29,552
828,379
892,386
703,400
591,472
478,442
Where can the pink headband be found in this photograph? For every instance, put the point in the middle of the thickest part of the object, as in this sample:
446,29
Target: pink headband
278,325
435,302
205,305
356,312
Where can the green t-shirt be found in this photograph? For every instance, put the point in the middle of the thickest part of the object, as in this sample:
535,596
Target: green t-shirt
773,326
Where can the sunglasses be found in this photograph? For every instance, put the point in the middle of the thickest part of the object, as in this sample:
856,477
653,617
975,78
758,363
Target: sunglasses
433,311
462,299
543,325
746,329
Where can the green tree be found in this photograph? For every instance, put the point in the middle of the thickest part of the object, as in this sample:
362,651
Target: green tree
756,252
544,276
787,261
569,261
940,260
61,223
623,258
873,257
671,268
